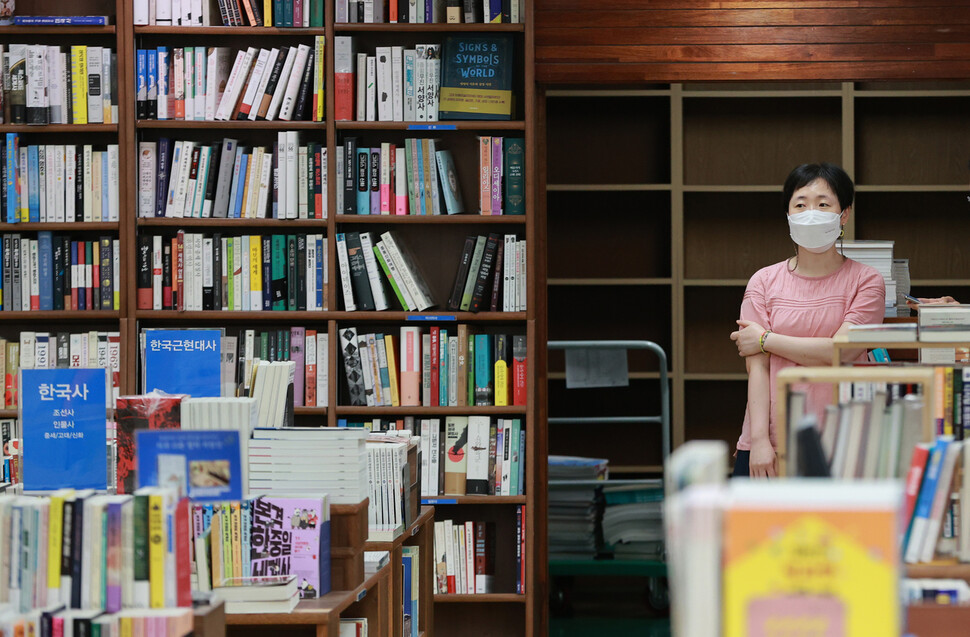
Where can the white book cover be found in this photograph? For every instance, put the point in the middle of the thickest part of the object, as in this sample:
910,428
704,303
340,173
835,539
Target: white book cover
280,180
70,180
323,360
199,76
263,81
293,82
164,86
97,187
95,107
224,61
408,84
432,82
508,273
420,82
141,13
367,369
265,181
64,66
521,289
114,204
260,69
157,272
36,77
340,11
310,272
303,206
397,83
402,266
343,262
146,178
234,84
280,92
370,90
340,180
173,179
87,175
373,271
369,11
188,71
433,177
385,88
107,68
361,97
224,274
54,86
181,189
50,192
292,177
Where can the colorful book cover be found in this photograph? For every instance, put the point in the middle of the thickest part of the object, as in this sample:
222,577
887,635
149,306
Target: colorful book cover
291,536
476,77
133,413
203,465
64,446
809,553
184,362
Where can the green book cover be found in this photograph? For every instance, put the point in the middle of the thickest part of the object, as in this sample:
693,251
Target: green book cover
279,272
140,523
476,76
230,269
316,13
291,272
387,273
514,163
264,346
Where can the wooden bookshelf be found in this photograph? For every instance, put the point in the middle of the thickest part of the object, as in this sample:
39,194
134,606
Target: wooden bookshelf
691,175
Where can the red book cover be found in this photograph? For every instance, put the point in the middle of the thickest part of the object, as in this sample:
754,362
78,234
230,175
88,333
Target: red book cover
317,184
344,96
114,359
311,369
183,583
166,278
173,267
434,367
180,270
914,478
519,369
141,412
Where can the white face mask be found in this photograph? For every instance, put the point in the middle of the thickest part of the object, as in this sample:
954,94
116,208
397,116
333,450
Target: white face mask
815,230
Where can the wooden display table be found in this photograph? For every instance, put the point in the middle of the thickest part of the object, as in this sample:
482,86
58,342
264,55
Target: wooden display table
210,621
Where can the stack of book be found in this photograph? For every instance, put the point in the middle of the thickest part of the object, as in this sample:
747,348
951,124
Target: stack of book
318,460
61,20
947,592
420,178
232,13
389,478
474,455
193,271
401,11
632,520
944,324
267,594
226,180
58,182
574,509
436,369
879,255
55,272
44,84
210,83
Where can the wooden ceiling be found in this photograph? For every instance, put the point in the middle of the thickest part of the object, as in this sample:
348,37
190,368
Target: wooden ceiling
635,41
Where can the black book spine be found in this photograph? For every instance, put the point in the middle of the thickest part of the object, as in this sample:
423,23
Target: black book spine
291,272
161,176
212,177
15,270
403,16
375,178
274,79
267,273
8,296
77,524
301,272
350,181
507,11
358,272
58,249
305,83
454,301
105,271
484,271
144,272
68,278
79,185
167,276
217,271
497,278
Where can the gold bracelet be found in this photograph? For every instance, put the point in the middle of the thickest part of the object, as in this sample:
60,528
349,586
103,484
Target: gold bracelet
764,335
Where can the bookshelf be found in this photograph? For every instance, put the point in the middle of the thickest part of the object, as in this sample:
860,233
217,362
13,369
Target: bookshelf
691,175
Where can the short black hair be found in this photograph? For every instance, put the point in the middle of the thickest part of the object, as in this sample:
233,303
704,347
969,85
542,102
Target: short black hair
837,179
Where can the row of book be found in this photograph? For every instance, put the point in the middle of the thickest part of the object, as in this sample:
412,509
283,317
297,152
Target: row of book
464,77
395,84
359,255
263,536
421,179
58,182
54,272
232,13
225,180
490,266
60,350
209,83
95,552
465,556
11,451
934,522
388,513
473,455
306,348
48,84
428,12
195,272
174,622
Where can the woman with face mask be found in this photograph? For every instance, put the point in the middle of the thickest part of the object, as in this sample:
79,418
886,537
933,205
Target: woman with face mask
791,310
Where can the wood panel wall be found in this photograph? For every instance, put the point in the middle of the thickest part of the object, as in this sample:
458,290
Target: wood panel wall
632,41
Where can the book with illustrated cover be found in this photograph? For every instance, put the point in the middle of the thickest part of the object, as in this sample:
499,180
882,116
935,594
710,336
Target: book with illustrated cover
476,77
132,413
291,536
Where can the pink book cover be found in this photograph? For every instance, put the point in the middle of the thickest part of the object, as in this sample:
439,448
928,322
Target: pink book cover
400,173
410,362
497,175
387,178
297,13
291,536
297,339
113,559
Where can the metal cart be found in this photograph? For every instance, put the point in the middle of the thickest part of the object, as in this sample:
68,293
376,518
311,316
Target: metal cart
561,570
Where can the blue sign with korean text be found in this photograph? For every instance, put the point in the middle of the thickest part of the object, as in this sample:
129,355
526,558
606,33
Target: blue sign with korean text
64,429
184,362
203,465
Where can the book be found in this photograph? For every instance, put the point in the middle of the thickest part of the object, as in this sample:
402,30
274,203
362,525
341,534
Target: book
480,62
305,524
134,413
202,465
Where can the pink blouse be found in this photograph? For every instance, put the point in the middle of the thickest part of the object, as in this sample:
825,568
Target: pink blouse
796,305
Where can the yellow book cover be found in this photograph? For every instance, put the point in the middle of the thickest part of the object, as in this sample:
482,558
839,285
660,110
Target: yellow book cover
255,269
124,623
392,369
267,13
948,401
24,189
236,540
215,542
156,550
939,378
321,42
79,83
227,541
827,565
501,383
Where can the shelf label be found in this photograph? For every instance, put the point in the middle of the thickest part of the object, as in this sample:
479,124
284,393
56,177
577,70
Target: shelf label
439,501
431,127
432,317
362,594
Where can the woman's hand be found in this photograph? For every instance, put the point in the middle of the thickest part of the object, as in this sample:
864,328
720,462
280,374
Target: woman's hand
748,338
943,300
762,460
